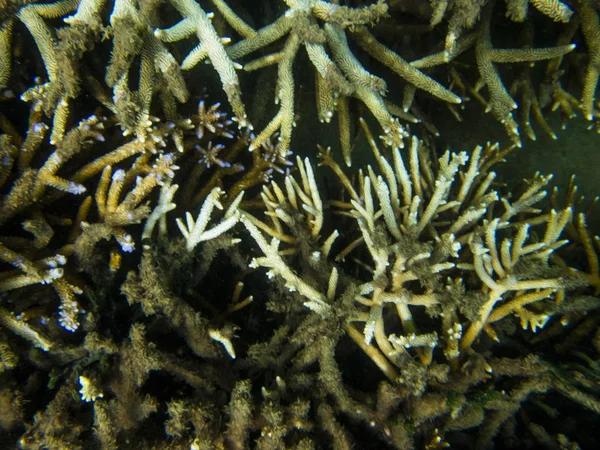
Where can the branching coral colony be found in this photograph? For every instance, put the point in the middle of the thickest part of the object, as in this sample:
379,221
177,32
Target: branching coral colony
425,306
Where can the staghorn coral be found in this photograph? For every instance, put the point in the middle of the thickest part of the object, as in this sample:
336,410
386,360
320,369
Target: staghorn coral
406,245
434,252
423,307
144,51
340,76
591,33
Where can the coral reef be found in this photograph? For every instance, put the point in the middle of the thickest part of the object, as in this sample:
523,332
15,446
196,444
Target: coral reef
416,302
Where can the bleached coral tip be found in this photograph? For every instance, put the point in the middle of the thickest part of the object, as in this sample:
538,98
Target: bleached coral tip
119,175
39,127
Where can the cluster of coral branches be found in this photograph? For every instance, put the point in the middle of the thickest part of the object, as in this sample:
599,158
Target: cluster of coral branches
413,303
